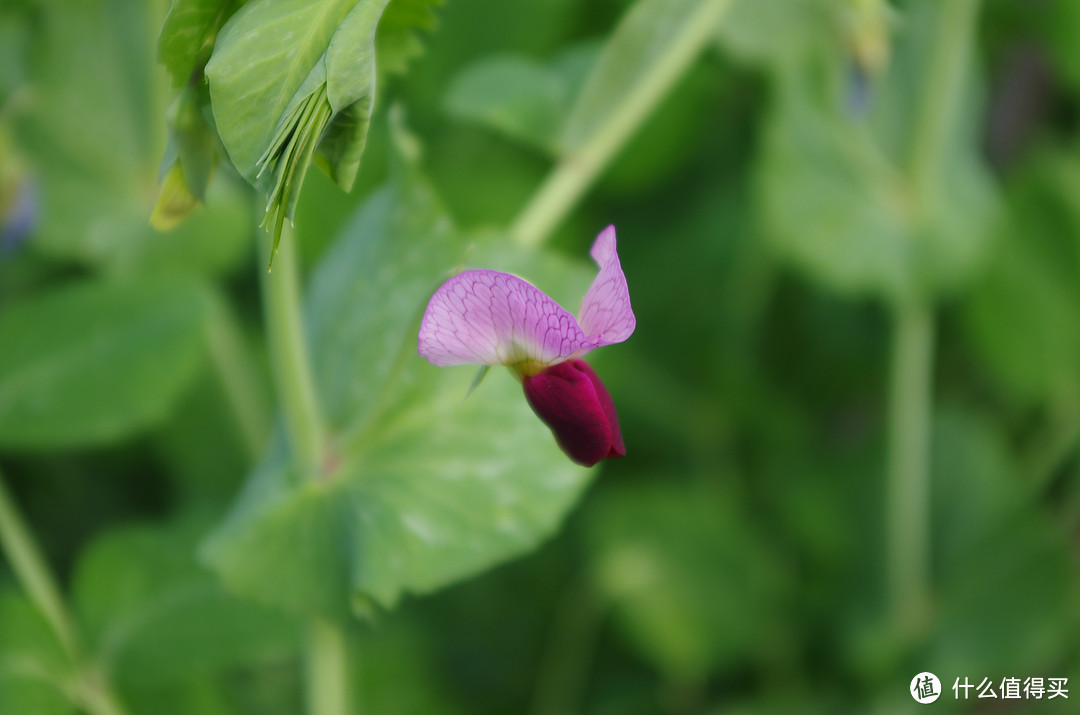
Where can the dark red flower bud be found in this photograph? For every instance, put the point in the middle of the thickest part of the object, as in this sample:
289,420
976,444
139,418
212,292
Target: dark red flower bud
571,400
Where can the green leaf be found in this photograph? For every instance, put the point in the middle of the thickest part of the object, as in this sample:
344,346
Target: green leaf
992,537
976,485
692,584
197,696
156,617
95,168
287,77
174,202
1023,321
202,444
401,651
214,238
90,131
385,280
396,42
1022,314
15,43
427,487
262,59
188,34
96,361
184,46
33,666
31,695
830,203
838,199
193,143
1026,563
767,31
1058,23
350,57
513,95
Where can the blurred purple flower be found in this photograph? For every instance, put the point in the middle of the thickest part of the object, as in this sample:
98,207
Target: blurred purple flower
491,318
859,91
18,215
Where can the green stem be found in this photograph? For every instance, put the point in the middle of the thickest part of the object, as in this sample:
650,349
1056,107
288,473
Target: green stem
908,495
292,370
237,376
91,690
574,174
910,395
327,657
33,573
96,697
327,676
945,70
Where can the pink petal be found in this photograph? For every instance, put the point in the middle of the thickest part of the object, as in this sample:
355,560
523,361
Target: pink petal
492,318
605,313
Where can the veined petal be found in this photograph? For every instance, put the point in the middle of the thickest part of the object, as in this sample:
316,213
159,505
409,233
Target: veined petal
605,314
492,318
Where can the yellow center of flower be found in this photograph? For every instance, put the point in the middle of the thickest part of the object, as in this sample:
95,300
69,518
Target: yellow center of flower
526,368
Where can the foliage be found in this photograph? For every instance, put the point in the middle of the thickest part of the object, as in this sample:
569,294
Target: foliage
446,485
789,178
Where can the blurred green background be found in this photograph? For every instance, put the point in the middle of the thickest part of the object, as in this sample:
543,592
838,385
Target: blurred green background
851,232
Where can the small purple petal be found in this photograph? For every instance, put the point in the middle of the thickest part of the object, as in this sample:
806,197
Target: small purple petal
605,313
492,318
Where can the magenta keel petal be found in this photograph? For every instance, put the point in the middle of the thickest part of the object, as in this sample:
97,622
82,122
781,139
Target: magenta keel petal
570,398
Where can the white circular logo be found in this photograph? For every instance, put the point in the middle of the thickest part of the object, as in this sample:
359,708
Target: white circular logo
925,688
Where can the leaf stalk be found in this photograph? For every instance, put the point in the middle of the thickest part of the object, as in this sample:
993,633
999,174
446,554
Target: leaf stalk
575,173
326,655
91,690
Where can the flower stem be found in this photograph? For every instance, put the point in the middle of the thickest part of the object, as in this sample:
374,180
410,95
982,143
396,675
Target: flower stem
92,691
574,174
910,394
327,657
908,490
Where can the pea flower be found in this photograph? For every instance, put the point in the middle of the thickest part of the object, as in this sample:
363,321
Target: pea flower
486,317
